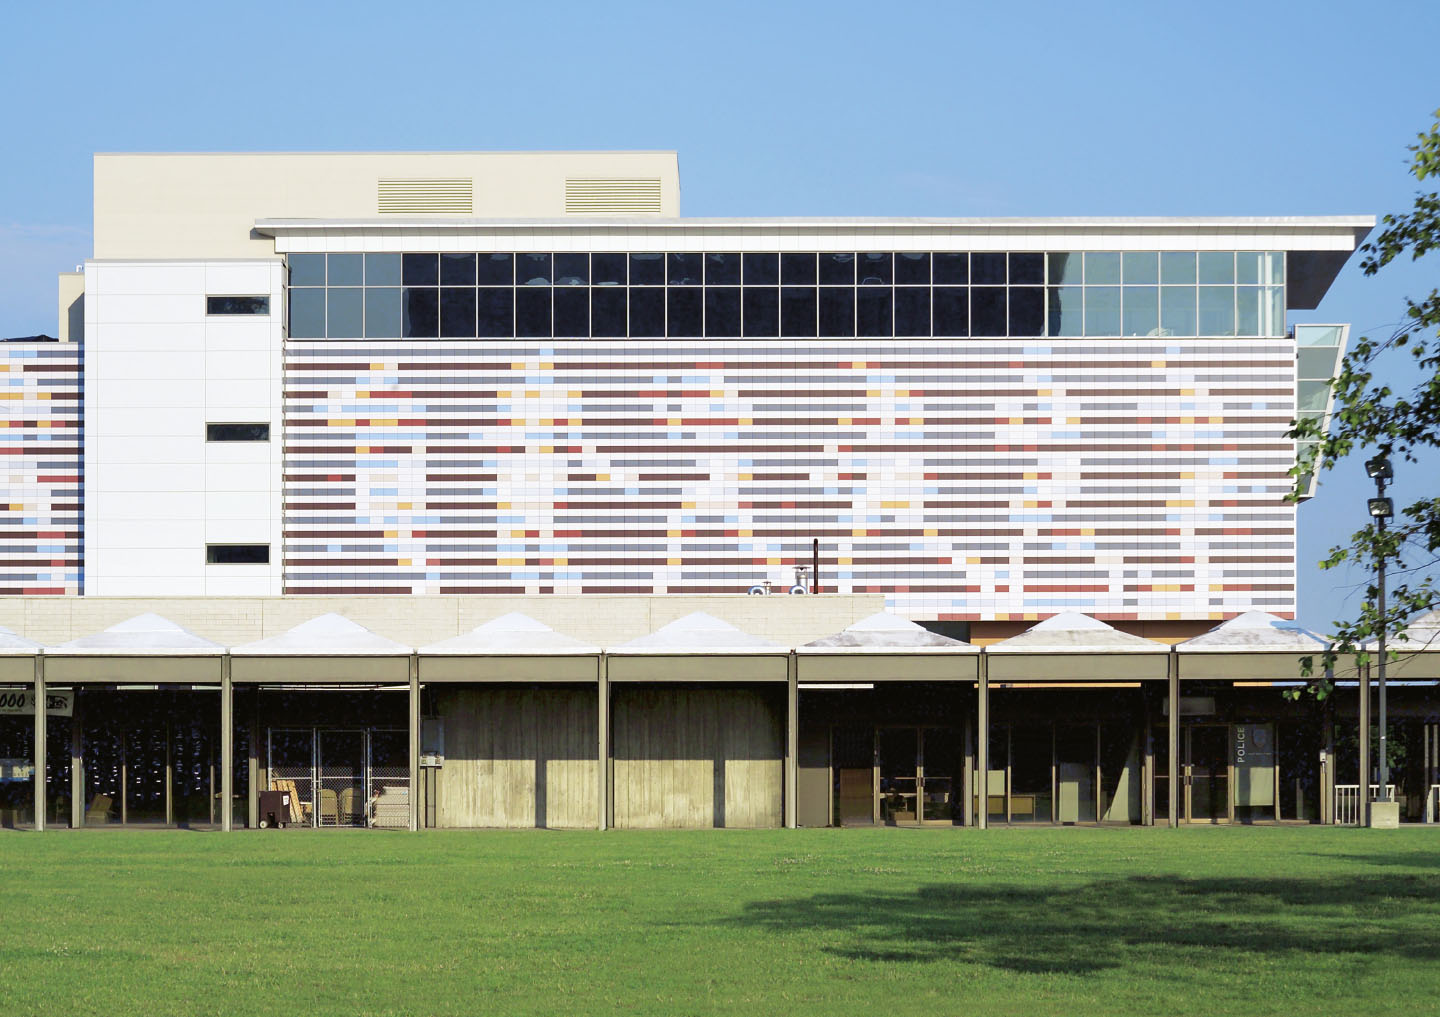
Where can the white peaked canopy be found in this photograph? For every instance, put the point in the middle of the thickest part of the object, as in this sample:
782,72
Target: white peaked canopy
1076,647
143,634
886,647
698,647
146,649
1421,633
511,648
328,650
1417,650
16,653
12,642
1072,632
510,633
1255,630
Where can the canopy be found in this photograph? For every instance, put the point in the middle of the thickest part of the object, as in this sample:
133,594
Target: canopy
330,649
511,648
1076,647
145,650
698,647
886,647
1254,645
16,653
1417,650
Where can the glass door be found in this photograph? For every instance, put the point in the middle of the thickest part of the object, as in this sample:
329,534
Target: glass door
1075,773
898,758
939,758
853,753
1207,773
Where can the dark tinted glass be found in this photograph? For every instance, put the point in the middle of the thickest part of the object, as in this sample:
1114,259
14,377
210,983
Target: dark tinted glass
237,432
457,312
875,269
873,309
722,310
722,270
237,554
987,269
607,312
572,269
345,269
532,270
1027,269
797,269
421,314
647,312
572,313
762,312
496,269
1027,310
951,269
532,313
685,269
647,270
237,305
762,269
495,317
383,312
797,311
684,311
837,269
987,310
457,270
608,269
912,268
307,314
307,269
382,270
952,311
837,310
422,269
912,310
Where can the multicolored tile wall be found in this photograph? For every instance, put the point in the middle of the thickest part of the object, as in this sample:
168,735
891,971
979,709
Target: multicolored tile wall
41,444
966,479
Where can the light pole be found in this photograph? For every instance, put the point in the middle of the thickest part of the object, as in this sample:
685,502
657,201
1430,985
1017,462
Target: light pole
1381,509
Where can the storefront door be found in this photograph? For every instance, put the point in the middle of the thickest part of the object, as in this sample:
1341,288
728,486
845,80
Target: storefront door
1206,773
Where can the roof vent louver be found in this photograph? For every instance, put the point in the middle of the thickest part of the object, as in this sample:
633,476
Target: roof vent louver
448,195
612,196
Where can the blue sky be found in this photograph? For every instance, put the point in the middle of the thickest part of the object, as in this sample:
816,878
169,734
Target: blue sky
955,109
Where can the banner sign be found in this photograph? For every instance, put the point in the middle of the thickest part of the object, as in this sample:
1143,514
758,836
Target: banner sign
1254,756
18,702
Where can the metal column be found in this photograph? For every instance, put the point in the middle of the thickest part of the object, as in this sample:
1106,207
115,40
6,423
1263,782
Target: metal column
602,745
982,745
40,716
414,741
1174,737
792,738
227,746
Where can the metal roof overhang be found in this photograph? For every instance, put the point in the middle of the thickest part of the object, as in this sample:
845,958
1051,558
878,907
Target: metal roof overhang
1069,665
320,669
133,668
17,668
844,664
719,665
481,667
1245,664
1411,666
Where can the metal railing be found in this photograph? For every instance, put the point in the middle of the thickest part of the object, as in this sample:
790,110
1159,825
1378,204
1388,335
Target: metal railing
1347,802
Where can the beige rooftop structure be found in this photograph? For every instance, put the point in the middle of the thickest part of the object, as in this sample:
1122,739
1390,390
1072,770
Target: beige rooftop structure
204,204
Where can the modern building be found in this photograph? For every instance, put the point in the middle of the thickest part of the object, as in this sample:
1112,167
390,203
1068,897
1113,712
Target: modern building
444,386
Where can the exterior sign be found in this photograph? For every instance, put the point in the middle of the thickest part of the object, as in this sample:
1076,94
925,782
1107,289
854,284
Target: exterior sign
1253,752
17,702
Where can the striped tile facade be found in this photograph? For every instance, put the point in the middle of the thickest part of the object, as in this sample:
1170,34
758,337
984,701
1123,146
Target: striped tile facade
40,438
965,479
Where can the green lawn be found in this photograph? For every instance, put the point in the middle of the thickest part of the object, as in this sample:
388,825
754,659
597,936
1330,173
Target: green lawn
884,922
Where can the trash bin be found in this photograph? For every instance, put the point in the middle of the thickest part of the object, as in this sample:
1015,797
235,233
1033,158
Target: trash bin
274,809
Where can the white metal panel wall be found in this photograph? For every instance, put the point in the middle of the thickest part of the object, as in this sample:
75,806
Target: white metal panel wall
157,369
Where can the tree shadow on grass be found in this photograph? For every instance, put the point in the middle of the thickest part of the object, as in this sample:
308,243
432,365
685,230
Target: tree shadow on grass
1097,926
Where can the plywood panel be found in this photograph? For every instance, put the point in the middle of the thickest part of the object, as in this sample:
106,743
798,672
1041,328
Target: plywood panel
697,757
518,756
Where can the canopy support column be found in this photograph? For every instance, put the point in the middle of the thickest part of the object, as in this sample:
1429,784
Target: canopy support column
792,739
414,725
227,747
602,744
40,716
1173,734
982,745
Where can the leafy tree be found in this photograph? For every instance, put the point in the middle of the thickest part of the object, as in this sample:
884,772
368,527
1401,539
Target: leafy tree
1398,424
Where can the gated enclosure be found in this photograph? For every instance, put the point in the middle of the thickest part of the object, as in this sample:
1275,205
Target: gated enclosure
342,777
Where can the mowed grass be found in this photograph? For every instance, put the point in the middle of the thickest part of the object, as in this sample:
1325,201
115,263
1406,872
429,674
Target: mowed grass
886,922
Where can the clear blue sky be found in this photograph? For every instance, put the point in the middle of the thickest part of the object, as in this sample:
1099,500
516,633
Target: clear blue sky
942,109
